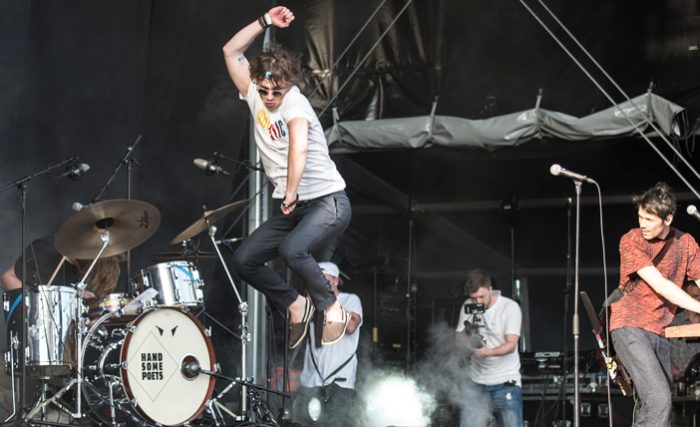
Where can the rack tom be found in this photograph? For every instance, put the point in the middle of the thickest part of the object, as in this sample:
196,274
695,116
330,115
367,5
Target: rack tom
177,282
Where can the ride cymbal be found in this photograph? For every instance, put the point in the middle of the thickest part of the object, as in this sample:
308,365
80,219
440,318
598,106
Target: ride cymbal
208,219
129,222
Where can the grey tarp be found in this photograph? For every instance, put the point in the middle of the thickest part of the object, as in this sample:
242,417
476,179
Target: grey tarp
504,131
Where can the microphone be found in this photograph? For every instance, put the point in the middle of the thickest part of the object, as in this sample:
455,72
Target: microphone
191,369
76,171
210,167
557,170
77,206
693,211
229,240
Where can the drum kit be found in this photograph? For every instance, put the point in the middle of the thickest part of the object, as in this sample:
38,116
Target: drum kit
136,358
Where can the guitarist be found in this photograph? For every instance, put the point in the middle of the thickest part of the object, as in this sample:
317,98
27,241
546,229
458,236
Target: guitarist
651,293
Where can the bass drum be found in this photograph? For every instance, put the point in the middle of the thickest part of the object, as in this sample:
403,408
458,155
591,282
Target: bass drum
135,371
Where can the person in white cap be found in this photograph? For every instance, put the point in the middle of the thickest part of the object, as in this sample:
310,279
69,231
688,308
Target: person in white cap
332,369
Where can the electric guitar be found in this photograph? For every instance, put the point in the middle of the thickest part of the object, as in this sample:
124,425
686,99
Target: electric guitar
616,371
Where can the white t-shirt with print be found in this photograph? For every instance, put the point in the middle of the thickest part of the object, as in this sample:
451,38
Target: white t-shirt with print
320,176
502,318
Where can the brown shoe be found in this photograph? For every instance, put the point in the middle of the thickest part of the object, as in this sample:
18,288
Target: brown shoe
297,331
334,331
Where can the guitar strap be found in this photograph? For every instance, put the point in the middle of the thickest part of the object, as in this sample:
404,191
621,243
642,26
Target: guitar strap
614,365
628,286
318,371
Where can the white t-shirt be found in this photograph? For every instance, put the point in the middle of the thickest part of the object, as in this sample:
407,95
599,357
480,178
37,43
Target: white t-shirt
320,176
330,357
501,319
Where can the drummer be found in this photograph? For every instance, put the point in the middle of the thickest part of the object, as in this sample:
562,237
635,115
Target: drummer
44,263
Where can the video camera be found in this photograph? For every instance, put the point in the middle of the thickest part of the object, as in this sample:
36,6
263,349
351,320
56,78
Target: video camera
474,309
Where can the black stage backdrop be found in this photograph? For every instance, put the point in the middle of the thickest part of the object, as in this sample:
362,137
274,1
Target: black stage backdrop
86,78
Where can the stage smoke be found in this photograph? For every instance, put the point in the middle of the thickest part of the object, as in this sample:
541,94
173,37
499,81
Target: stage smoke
440,383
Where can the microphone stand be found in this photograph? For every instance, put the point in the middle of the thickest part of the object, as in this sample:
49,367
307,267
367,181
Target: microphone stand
567,298
246,164
21,185
127,160
124,160
575,321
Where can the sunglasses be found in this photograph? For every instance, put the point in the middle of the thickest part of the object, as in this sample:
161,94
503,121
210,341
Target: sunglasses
275,93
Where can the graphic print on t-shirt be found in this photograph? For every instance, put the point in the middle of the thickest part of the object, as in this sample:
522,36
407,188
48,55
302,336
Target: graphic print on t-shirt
263,119
275,129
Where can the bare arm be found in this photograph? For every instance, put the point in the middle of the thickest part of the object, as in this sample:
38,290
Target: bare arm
296,159
355,321
509,346
10,280
235,48
668,289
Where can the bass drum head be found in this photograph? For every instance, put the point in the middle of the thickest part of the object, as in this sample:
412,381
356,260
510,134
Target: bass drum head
156,345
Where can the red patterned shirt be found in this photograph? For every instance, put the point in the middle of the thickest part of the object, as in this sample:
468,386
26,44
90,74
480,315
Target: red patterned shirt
643,307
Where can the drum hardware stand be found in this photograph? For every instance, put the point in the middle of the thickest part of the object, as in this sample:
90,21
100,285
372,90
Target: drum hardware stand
257,405
21,185
243,309
13,350
78,380
112,382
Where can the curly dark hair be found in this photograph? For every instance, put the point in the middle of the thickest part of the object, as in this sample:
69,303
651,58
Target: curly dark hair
658,200
476,279
283,65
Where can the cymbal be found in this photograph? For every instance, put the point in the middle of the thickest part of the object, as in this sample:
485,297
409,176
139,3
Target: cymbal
208,219
187,255
129,222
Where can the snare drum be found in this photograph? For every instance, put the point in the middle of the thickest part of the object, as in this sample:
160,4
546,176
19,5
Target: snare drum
52,318
112,303
139,367
177,283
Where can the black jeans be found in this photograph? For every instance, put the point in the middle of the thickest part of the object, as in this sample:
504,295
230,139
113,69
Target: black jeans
294,237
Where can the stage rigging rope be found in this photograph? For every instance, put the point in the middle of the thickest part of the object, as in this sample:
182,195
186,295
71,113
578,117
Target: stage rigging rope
637,129
609,97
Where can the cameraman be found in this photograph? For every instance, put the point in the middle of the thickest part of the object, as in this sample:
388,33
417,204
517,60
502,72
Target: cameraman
495,362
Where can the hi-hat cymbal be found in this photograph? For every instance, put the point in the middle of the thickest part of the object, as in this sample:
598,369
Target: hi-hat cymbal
208,219
129,222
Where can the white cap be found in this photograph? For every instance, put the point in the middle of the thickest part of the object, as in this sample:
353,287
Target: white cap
329,268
